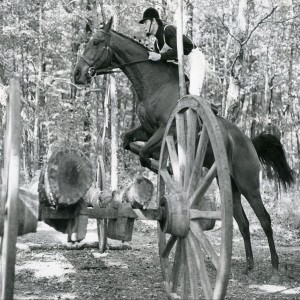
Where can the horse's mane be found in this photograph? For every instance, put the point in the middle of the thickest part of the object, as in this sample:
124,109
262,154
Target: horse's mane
131,39
172,66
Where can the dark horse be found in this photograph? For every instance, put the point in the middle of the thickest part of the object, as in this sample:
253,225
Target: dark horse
157,88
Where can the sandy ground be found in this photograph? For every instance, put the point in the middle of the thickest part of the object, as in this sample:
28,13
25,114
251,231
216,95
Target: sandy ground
48,268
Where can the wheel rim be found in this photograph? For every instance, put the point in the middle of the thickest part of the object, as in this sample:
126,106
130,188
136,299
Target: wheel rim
192,265
11,191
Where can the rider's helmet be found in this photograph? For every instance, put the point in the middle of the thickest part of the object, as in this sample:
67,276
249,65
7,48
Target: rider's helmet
150,14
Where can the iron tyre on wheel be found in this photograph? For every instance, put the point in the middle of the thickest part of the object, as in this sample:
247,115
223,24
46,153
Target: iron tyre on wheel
193,265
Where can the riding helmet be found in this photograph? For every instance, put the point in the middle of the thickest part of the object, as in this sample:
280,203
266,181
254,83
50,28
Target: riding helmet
149,14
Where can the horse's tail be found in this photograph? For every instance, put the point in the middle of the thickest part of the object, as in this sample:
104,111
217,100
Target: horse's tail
271,153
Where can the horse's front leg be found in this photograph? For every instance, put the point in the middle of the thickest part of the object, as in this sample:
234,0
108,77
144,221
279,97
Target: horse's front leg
152,146
137,134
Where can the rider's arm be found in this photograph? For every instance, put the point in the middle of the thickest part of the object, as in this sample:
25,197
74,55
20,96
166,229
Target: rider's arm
171,40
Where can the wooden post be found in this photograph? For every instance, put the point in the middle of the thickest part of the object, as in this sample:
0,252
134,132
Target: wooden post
180,48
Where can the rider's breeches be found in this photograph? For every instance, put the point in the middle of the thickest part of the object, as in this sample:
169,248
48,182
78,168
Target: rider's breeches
194,68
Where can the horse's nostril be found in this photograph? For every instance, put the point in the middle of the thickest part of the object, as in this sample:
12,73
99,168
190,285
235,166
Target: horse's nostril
91,72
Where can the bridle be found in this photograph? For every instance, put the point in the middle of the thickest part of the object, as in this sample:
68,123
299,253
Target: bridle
92,72
105,50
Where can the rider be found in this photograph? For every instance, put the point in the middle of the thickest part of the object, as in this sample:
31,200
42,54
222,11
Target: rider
165,49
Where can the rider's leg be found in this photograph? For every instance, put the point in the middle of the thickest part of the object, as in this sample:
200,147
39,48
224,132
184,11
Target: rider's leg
196,65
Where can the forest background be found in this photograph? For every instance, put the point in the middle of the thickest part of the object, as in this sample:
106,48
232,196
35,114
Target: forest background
252,50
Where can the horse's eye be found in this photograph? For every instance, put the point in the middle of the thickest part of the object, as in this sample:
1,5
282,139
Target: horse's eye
96,43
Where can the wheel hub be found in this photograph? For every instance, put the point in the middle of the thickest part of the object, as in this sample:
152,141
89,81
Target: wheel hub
176,216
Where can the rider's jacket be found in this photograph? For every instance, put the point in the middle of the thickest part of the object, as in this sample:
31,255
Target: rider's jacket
166,43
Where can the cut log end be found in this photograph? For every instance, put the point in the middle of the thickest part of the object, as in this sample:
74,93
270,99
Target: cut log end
139,193
68,175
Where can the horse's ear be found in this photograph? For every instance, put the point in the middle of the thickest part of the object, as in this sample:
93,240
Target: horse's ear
107,26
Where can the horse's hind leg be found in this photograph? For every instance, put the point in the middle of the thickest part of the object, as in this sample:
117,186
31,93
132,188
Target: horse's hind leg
243,223
254,198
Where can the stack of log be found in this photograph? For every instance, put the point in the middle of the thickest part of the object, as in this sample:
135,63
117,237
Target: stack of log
65,193
118,206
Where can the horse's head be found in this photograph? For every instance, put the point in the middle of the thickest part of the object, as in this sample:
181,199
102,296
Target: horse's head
96,56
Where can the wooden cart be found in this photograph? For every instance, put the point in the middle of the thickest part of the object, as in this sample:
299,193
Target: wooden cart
192,266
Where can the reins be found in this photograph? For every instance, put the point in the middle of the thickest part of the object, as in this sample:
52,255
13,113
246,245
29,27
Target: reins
107,70
93,72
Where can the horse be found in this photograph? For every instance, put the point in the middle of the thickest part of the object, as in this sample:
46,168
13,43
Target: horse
157,88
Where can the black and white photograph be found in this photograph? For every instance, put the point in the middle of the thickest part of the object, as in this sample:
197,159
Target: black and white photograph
149,149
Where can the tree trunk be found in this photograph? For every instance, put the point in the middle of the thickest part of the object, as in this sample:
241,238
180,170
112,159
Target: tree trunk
235,89
190,19
114,133
114,115
36,145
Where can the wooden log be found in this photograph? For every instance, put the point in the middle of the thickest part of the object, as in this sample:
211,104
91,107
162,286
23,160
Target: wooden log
27,211
118,206
61,185
95,196
139,193
65,178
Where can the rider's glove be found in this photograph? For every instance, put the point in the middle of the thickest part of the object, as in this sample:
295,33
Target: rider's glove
154,56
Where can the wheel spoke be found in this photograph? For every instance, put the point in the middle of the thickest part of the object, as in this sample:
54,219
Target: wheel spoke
174,160
169,246
170,184
176,267
190,145
185,272
205,214
193,276
181,142
199,159
205,243
204,278
204,185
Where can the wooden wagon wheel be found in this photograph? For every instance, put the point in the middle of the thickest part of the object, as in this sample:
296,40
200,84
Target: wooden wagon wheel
10,191
193,266
101,223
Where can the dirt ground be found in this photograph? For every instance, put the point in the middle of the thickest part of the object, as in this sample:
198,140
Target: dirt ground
48,268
